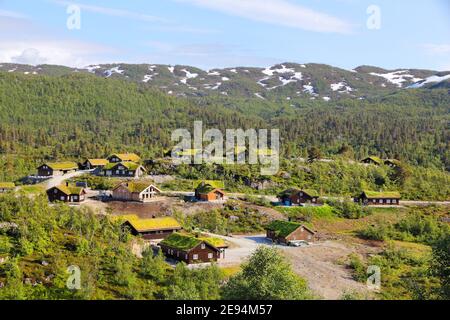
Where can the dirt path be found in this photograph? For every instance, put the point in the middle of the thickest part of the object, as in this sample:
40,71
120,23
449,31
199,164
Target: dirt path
317,263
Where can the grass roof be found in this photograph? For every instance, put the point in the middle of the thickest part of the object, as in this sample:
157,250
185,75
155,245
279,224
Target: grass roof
127,164
142,225
62,165
7,185
215,242
382,195
126,157
98,162
181,242
70,190
283,228
215,184
291,191
375,159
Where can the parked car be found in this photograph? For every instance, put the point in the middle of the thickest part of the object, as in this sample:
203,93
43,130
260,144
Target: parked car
298,243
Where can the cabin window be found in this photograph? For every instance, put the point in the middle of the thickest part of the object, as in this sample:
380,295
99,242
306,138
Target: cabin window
55,191
203,246
381,201
210,255
62,198
374,201
195,257
186,256
388,201
394,201
130,173
75,198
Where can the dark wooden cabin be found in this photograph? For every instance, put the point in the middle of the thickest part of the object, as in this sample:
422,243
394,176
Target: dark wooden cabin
280,231
189,249
379,198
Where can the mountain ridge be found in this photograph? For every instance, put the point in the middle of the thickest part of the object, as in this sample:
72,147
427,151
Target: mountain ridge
281,81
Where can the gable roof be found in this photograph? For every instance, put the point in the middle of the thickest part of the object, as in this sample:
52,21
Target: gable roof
206,189
216,184
374,159
68,190
67,165
136,187
289,192
185,242
285,228
382,195
98,162
126,156
144,225
127,164
7,185
393,161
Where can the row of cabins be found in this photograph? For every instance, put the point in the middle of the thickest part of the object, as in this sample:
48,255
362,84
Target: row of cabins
116,165
297,197
174,244
133,191
378,161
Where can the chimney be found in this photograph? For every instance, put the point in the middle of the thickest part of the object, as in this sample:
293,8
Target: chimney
67,183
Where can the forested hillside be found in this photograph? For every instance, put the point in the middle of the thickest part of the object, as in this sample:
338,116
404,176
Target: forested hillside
79,115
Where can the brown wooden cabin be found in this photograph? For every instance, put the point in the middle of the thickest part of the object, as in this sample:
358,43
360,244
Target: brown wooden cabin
135,191
372,160
124,157
151,229
393,163
207,192
122,169
66,193
189,249
56,168
389,198
280,231
291,197
94,163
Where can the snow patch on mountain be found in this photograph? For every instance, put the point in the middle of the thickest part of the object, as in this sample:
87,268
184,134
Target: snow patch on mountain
171,69
189,75
432,79
397,77
308,88
110,72
91,69
341,87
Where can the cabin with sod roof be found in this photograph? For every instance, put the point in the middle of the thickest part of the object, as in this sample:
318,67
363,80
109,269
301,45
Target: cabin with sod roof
94,163
66,193
7,187
122,169
135,191
372,160
210,191
151,229
280,231
189,249
387,198
293,197
124,157
56,168
393,163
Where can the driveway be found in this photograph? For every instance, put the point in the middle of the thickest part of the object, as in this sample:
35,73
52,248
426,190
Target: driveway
57,180
319,263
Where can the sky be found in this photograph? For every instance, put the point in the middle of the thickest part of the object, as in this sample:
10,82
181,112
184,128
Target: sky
227,33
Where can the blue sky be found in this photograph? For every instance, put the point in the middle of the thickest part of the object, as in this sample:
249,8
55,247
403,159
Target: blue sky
225,33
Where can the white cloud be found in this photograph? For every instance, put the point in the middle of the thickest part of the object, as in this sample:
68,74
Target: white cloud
277,12
437,49
11,14
113,12
60,52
